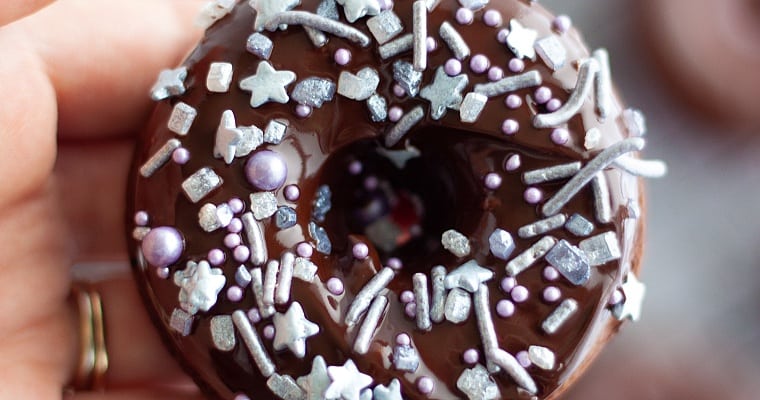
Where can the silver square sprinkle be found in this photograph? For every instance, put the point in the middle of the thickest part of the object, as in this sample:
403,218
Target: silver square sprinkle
378,108
201,184
252,137
601,249
405,358
579,226
502,244
260,45
472,106
407,77
263,205
219,77
314,92
181,322
182,118
385,26
304,269
570,261
211,217
275,131
223,332
551,50
458,306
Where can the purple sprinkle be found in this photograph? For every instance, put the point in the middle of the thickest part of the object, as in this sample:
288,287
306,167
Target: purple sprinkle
303,111
342,56
399,91
425,385
371,183
216,257
402,339
235,294
235,226
495,74
471,356
452,67
254,315
552,294
395,263
492,181
241,396
407,296
492,18
268,332
616,298
141,218
431,44
553,105
355,167
266,170
542,95
232,240
533,195
292,193
519,294
560,136
502,35
479,63
163,272
524,359
395,113
513,101
181,156
386,4
508,283
304,250
551,273
510,126
505,308
335,286
360,251
513,163
241,253
236,205
162,246
465,16
562,23
516,65
410,309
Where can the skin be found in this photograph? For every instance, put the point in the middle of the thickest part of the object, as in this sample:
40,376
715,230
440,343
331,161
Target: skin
75,76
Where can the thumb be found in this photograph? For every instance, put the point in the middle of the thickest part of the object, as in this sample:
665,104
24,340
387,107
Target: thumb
13,10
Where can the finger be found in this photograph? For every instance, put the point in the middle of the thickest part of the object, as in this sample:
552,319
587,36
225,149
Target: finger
13,10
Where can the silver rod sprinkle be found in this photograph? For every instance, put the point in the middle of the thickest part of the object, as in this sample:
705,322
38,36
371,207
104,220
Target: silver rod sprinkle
160,158
419,18
320,23
257,286
254,231
285,278
602,207
454,40
370,324
603,87
432,4
317,37
530,256
482,305
404,125
270,281
253,343
438,306
422,300
509,84
512,367
369,291
559,316
397,46
553,173
542,226
586,72
644,168
585,175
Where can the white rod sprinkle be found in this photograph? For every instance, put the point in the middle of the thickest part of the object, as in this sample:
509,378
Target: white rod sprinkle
644,168
454,41
419,18
510,84
270,281
603,84
254,231
512,367
404,125
285,278
482,305
367,293
530,256
540,227
602,206
396,46
370,324
253,343
559,316
257,286
586,72
553,173
438,306
422,300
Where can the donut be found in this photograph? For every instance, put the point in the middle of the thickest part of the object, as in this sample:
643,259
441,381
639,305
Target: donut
362,199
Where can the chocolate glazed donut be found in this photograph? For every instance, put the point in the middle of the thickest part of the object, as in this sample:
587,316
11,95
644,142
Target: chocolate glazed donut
356,200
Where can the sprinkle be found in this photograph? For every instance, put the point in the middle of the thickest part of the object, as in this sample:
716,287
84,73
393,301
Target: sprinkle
219,77
316,382
270,281
320,23
181,156
392,392
160,158
501,244
327,9
404,125
385,26
560,136
171,82
644,168
268,85
405,358
519,294
314,91
516,65
533,195
521,40
360,86
542,226
602,207
215,257
431,44
407,77
505,308
634,297
438,274
242,276
181,322
222,332
456,243
422,301
266,170
425,385
275,131
452,67
586,72
259,45
513,101
347,381
473,5
370,324
407,296
603,84
284,278
360,251
507,284
318,233
267,10
182,118
585,175
342,56
542,95
322,203
464,16
476,383
445,92
257,286
419,18
470,356
562,23
304,269
367,294
510,84
454,41
241,253
284,387
472,106
530,256
523,359
559,316
579,226
254,232
228,137
553,105
510,126
479,63
552,294
213,11
601,249
485,322
292,329
335,286
201,183
457,307
492,18
397,46
253,343
552,173
635,121
492,181
141,218
570,261
495,74
513,368
468,276
592,139
551,50
263,205
378,108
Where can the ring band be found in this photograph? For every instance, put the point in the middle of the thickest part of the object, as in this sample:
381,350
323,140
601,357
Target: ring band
93,357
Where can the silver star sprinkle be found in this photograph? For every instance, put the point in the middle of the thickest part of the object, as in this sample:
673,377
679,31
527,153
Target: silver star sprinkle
347,382
292,329
266,9
391,392
476,384
468,276
268,85
634,292
521,40
445,92
315,384
199,286
355,9
171,82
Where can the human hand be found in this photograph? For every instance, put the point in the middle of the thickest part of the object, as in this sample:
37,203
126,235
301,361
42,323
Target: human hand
75,77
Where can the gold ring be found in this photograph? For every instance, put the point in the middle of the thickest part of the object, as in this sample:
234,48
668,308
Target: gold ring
93,358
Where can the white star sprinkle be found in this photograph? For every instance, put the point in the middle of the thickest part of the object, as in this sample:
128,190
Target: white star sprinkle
268,85
266,9
355,9
634,292
199,286
292,329
315,384
228,136
347,382
521,40
468,276
445,92
392,392
171,82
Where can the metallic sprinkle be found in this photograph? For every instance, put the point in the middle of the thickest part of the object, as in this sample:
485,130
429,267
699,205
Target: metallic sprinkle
365,296
292,329
521,40
201,184
559,316
285,278
314,91
385,26
322,241
634,297
601,249
263,205
468,276
316,382
360,86
391,392
223,332
322,203
242,276
285,387
253,343
327,9
252,138
322,24
254,231
182,118
396,47
585,175
501,244
370,324
270,282
211,217
181,322
159,158
652,169
570,261
437,307
551,50
542,357
587,70
542,226
214,11
419,16
579,226
171,82
404,125
356,9
406,358
552,173
275,131
407,77
603,84
458,306
304,269
268,85
454,41
378,108
512,367
267,10
530,256
257,286
602,206
219,77
476,383
260,45
347,382
456,243
472,106
510,84
422,300
488,336
445,92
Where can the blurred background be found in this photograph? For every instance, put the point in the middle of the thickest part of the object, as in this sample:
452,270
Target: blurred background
699,337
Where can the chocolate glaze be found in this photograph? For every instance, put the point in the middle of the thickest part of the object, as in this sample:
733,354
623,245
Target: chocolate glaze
447,178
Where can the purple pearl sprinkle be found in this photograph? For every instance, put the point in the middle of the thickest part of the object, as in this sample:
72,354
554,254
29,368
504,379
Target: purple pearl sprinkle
232,240
505,308
402,339
410,309
181,156
551,273
452,67
371,183
502,35
355,167
235,294
141,218
254,315
386,4
560,136
552,294
163,272
398,91
553,105
342,56
479,63
513,101
562,23
335,286
542,95
513,163
465,16
268,332
425,385
470,356
236,205
508,283
510,126
406,296
266,170
523,358
431,44
395,113
304,250
495,74
215,257
162,246
292,193
235,226
492,181
241,396
616,298
395,263
241,253
519,294
360,251
516,65
533,195
492,18
303,111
